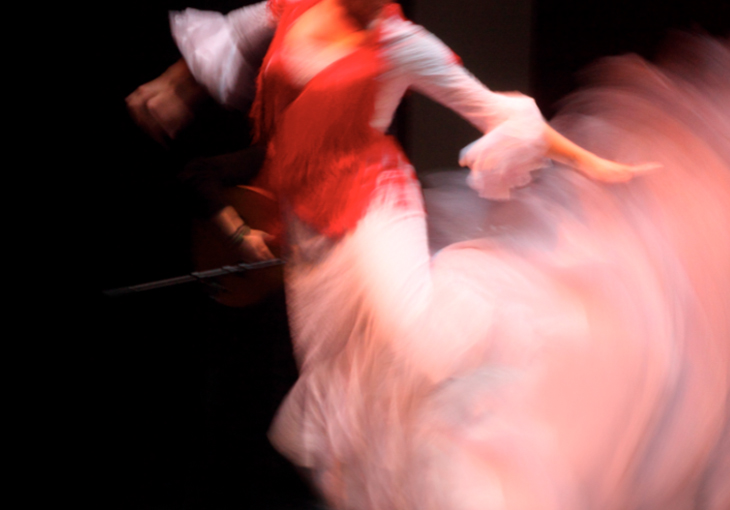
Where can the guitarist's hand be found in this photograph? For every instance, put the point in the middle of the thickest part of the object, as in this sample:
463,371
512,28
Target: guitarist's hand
253,248
225,239
250,247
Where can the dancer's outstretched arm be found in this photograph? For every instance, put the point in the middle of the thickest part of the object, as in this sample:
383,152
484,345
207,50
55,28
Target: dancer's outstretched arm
517,139
564,151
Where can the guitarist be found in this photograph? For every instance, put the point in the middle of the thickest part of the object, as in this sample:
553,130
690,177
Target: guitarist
163,107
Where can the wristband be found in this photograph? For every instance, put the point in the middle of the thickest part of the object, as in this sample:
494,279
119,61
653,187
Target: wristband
237,237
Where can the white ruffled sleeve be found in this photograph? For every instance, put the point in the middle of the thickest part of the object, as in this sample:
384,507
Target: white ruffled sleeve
514,143
224,52
506,155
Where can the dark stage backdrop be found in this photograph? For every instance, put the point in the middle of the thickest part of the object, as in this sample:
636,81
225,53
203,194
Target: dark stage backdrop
570,34
180,390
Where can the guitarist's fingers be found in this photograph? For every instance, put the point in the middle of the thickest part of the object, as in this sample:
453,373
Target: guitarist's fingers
257,240
265,254
267,237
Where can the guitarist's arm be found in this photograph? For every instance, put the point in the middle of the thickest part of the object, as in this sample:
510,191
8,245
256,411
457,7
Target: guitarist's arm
210,182
232,47
250,244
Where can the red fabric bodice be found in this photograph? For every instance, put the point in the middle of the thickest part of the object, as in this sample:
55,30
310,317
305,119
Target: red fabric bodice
323,157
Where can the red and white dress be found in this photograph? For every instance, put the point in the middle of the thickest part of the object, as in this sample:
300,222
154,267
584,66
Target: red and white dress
542,364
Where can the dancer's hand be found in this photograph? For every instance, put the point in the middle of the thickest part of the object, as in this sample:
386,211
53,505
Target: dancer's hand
165,105
564,151
604,170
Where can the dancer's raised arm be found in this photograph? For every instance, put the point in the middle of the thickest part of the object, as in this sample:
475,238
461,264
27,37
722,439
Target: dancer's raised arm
224,52
221,55
517,139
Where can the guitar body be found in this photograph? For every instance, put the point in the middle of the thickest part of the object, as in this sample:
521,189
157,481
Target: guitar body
211,249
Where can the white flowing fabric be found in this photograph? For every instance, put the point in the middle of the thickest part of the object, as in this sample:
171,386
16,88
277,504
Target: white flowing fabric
573,353
224,52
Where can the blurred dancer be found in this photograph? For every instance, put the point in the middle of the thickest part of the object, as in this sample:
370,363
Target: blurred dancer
572,354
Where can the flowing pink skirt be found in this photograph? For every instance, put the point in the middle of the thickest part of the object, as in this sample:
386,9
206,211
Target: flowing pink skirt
572,351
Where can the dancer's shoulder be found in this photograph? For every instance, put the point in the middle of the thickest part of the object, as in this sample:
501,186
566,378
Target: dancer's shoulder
411,46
